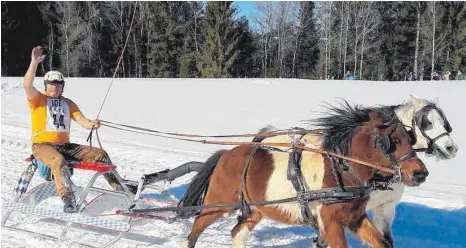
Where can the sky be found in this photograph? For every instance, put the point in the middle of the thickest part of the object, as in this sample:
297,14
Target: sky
245,7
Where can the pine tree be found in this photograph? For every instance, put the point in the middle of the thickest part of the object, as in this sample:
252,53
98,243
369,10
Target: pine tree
220,40
457,47
188,60
398,39
243,65
307,52
22,29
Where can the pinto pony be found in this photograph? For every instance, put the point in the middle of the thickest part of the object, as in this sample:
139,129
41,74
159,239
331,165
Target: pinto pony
368,134
431,130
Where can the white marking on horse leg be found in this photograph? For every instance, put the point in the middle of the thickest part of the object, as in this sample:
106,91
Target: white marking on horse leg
184,243
319,217
383,218
383,204
239,241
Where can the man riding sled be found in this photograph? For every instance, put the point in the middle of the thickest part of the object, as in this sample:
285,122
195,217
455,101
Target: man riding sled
51,115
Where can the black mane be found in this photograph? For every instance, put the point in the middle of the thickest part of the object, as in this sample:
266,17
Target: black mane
341,123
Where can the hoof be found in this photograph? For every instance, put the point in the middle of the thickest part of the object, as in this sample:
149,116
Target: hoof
388,240
317,242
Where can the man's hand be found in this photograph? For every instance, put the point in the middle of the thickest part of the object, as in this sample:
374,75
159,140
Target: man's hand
95,123
36,56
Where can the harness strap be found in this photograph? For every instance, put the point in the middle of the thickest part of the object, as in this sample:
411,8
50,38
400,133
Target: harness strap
336,172
431,142
295,176
245,209
324,196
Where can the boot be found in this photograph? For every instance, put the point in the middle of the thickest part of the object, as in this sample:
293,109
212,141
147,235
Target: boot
70,203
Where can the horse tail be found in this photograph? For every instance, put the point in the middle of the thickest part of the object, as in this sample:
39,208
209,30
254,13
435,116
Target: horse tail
197,189
268,128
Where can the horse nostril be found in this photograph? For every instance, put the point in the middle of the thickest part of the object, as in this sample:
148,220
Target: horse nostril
420,176
450,149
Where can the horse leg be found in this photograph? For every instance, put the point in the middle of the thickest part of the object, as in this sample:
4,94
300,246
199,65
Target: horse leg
368,233
241,231
201,222
319,241
334,234
383,218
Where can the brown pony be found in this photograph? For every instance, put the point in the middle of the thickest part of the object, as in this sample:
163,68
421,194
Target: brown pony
368,134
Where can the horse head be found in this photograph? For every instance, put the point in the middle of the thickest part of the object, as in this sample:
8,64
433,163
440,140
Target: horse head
432,128
374,135
392,145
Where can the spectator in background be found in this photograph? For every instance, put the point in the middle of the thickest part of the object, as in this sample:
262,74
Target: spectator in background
411,76
435,76
446,75
349,76
460,76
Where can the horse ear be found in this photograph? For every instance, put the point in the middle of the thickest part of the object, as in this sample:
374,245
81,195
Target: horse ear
375,116
412,137
416,101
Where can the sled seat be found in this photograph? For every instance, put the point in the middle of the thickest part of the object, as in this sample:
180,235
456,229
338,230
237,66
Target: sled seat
92,166
121,189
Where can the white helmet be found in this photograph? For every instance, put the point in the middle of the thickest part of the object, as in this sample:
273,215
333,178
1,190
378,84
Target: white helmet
54,77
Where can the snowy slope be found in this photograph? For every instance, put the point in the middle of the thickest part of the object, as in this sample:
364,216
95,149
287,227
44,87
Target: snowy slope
432,215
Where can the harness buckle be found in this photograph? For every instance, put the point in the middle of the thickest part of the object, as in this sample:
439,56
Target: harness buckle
302,198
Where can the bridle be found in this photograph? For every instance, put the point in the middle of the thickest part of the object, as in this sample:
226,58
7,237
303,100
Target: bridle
420,120
386,144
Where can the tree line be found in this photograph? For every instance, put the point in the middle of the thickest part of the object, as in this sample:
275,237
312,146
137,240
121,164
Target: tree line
310,40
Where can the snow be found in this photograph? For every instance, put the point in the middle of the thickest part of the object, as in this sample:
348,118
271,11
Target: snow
432,215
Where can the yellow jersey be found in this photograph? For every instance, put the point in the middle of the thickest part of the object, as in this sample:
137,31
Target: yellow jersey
51,118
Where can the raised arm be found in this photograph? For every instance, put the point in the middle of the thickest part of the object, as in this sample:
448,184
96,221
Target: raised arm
36,58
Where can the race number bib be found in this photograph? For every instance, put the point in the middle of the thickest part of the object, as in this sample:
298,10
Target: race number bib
58,116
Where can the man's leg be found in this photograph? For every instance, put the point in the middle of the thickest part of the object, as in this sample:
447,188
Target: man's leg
51,157
79,152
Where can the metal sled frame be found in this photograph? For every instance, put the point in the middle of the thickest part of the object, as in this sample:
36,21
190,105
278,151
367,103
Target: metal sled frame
47,190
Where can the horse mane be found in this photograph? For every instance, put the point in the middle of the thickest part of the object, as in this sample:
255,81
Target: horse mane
266,129
341,123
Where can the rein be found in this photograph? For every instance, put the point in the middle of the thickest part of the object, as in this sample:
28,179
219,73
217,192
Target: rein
320,151
267,134
213,142
89,138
